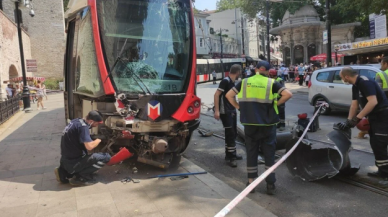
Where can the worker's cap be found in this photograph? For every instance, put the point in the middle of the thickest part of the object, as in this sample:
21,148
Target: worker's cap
263,65
95,116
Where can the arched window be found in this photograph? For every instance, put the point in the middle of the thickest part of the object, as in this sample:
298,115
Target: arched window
299,54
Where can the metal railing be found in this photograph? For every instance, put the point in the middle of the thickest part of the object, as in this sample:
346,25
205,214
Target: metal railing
8,109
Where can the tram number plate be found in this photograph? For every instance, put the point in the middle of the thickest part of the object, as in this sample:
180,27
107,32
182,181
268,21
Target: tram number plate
170,87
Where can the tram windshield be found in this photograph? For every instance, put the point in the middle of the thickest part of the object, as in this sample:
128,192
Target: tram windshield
146,44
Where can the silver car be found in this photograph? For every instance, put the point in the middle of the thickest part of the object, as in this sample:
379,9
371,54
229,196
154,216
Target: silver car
326,85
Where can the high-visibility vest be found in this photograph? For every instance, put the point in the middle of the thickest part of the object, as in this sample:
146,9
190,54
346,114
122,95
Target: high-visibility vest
277,96
257,102
384,79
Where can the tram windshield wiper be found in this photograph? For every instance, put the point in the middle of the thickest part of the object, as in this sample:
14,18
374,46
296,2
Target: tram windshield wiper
117,60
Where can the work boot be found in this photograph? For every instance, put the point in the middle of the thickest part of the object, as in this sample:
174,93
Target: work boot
271,189
61,175
377,174
236,157
231,162
79,181
253,190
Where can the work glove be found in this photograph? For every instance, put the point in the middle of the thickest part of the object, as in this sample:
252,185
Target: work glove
353,122
349,123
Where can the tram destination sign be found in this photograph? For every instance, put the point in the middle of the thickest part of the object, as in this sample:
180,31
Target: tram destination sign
32,66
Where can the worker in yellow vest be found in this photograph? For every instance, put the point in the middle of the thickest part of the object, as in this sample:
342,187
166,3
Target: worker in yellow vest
259,115
281,108
382,77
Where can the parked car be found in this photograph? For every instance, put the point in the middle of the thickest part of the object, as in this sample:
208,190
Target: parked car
326,85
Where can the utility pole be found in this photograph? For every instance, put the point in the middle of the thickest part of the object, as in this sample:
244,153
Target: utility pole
242,35
26,91
221,42
328,28
268,45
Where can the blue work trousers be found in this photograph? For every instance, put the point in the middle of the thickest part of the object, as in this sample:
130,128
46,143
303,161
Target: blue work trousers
260,138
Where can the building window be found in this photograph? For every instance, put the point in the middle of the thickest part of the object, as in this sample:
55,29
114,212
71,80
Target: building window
201,42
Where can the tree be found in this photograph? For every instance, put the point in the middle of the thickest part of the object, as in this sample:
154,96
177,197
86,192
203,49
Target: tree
65,3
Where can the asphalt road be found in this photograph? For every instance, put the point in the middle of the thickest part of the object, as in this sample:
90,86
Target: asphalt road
294,197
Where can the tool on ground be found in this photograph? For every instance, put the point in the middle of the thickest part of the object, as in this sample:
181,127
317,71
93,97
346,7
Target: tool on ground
123,154
129,179
251,186
178,174
175,178
205,134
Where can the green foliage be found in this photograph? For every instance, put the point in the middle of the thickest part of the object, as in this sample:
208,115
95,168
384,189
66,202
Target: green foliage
52,83
342,11
65,3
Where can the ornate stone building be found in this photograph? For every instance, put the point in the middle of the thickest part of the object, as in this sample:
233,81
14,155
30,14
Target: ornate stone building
302,35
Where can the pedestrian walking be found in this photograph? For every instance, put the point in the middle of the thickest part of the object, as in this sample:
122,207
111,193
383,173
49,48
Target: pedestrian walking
39,94
227,113
76,165
259,116
285,74
281,108
367,94
44,90
291,73
382,77
307,79
301,74
214,74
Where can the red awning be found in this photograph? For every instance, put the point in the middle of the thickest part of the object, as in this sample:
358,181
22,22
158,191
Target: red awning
322,57
19,79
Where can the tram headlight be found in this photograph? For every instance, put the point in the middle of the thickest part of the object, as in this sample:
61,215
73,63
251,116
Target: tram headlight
190,109
196,104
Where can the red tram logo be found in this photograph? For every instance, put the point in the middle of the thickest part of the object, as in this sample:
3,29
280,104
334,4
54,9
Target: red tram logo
154,109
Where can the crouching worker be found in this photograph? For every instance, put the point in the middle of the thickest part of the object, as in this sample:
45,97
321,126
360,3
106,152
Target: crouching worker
76,165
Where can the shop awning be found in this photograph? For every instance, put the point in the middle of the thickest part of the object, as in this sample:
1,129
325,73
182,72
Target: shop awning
19,79
322,57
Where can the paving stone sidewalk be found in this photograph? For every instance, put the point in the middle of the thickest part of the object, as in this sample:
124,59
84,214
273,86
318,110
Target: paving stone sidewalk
29,152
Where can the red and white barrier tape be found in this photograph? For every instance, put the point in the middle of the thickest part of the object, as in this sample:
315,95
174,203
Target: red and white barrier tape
250,187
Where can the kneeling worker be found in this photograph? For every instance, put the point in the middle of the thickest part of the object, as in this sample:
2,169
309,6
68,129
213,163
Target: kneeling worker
76,165
259,116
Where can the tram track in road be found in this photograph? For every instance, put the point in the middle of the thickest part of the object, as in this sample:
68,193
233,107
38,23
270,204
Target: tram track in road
344,179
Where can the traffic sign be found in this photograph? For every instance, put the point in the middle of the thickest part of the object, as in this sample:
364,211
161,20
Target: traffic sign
325,40
32,66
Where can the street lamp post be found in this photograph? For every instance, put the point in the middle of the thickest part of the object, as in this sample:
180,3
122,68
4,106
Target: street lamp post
268,43
328,28
26,91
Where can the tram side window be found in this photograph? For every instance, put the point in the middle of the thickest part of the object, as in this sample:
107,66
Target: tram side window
88,79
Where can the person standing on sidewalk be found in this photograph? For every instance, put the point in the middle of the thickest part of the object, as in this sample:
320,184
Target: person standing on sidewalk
259,116
382,77
76,165
214,74
374,104
301,69
8,89
227,113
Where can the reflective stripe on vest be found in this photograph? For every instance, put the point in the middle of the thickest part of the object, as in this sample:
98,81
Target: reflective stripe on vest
258,105
384,79
267,99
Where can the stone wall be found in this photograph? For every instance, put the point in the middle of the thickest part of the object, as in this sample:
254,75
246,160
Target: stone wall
10,64
47,34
